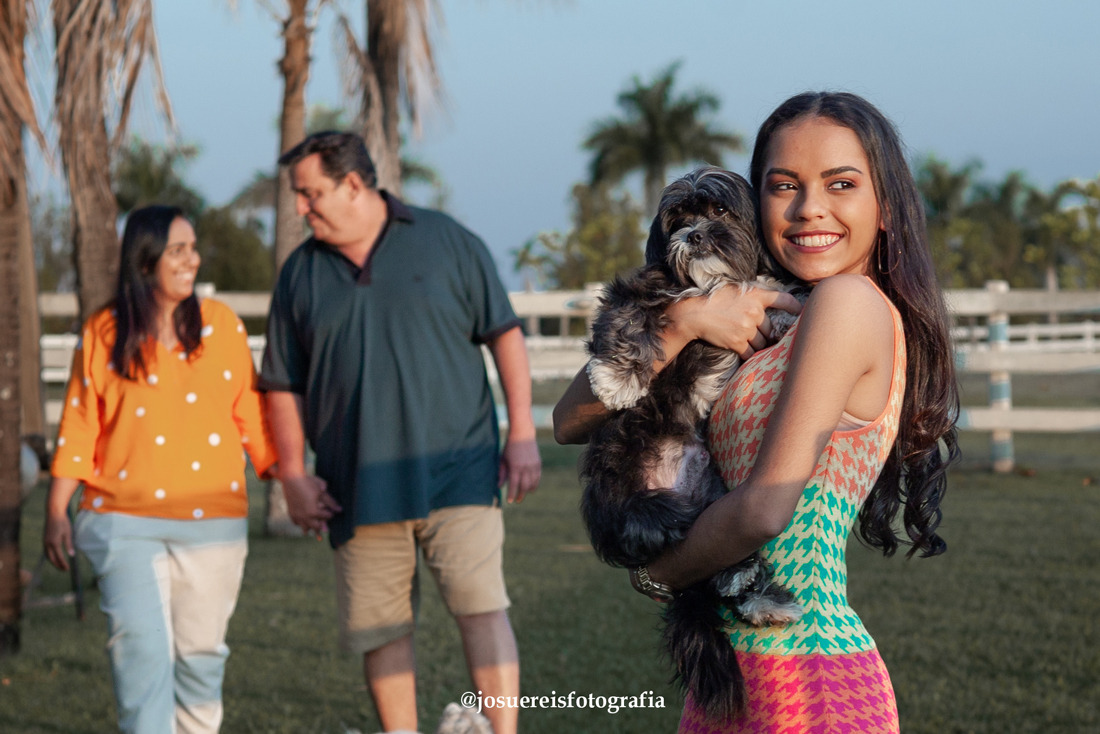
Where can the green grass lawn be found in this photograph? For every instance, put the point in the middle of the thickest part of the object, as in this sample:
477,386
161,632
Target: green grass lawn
999,635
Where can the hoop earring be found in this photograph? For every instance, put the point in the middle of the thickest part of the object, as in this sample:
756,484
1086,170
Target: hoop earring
885,266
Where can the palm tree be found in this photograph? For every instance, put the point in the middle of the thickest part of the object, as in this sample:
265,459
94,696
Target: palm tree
947,194
395,69
144,174
101,47
297,34
16,116
659,129
1049,231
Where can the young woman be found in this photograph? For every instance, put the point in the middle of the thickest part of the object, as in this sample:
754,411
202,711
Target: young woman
159,404
850,415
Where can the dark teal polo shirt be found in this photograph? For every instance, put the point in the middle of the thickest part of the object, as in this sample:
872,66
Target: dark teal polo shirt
398,407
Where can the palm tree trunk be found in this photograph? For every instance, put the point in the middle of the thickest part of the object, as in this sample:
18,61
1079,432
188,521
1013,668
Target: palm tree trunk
387,27
85,153
654,185
294,67
16,110
10,491
30,387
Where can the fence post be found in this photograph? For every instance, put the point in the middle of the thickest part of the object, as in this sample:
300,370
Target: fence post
1000,384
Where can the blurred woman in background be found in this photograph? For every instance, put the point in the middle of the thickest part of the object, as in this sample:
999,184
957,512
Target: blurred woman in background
160,400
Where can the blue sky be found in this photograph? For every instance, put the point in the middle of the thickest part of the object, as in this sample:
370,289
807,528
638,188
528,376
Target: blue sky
1012,83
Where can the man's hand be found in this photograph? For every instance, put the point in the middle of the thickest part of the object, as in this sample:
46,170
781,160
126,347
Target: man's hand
308,503
521,468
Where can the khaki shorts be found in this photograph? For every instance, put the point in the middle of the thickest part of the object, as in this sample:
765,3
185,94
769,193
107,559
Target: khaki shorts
376,572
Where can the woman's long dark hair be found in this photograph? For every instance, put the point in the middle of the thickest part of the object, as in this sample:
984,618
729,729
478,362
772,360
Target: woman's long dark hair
915,472
135,305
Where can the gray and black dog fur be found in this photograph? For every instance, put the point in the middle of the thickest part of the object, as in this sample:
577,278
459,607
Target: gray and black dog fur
646,471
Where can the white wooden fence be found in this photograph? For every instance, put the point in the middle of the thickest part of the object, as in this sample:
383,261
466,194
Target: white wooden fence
985,342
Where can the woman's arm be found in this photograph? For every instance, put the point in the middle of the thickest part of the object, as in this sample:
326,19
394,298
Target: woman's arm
842,352
727,318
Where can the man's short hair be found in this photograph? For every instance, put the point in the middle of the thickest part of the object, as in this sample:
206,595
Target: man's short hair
341,153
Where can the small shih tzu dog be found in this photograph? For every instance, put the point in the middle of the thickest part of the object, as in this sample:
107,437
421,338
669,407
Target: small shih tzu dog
646,471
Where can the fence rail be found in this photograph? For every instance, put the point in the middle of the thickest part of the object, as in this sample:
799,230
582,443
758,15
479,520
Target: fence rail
985,342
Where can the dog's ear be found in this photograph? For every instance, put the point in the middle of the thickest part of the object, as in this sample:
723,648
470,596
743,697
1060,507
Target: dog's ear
656,247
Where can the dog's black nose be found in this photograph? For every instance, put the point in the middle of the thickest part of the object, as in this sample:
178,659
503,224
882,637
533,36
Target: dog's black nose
695,237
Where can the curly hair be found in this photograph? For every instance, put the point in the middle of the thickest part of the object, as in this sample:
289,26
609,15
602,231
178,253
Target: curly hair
914,475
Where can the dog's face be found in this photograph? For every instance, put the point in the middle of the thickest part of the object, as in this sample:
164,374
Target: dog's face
705,229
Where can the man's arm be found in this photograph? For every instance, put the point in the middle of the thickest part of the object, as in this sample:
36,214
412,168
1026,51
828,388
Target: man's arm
308,504
521,466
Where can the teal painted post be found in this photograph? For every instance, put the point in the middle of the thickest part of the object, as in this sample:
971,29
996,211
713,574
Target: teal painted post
1000,384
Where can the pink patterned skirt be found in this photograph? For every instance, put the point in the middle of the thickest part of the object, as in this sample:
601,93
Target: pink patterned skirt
808,694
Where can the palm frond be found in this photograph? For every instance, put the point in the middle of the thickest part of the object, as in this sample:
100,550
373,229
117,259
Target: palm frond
16,103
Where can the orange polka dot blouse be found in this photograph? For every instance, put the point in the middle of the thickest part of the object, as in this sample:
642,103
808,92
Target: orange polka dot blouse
168,444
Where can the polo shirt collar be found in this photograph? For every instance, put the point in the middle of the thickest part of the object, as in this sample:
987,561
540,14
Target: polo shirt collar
395,208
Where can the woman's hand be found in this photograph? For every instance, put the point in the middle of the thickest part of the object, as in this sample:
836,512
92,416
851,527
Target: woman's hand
57,538
308,502
729,318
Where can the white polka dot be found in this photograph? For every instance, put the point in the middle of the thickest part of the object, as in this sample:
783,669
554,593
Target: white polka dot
214,439
159,440
197,513
122,474
75,402
110,366
240,327
191,397
235,486
159,494
244,439
97,502
183,356
97,471
87,382
195,465
207,330
153,379
140,412
227,375
61,441
76,459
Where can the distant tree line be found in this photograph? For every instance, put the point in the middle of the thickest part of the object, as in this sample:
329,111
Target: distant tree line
979,230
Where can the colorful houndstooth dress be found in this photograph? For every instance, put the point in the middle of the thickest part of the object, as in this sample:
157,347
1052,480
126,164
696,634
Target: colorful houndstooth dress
822,674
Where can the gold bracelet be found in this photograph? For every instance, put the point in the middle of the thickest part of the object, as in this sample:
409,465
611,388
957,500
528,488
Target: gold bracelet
640,580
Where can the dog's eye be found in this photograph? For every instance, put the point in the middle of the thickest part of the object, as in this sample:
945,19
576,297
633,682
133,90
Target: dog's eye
719,209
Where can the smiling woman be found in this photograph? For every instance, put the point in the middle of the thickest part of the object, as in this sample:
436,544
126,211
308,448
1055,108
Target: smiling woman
847,420
159,404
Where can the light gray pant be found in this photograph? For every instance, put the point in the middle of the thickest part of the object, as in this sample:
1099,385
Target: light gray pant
168,588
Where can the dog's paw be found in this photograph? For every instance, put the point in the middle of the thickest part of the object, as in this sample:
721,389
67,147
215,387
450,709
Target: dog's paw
617,388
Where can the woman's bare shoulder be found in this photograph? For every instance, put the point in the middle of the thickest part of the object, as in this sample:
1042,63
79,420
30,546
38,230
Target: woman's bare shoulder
849,311
853,297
